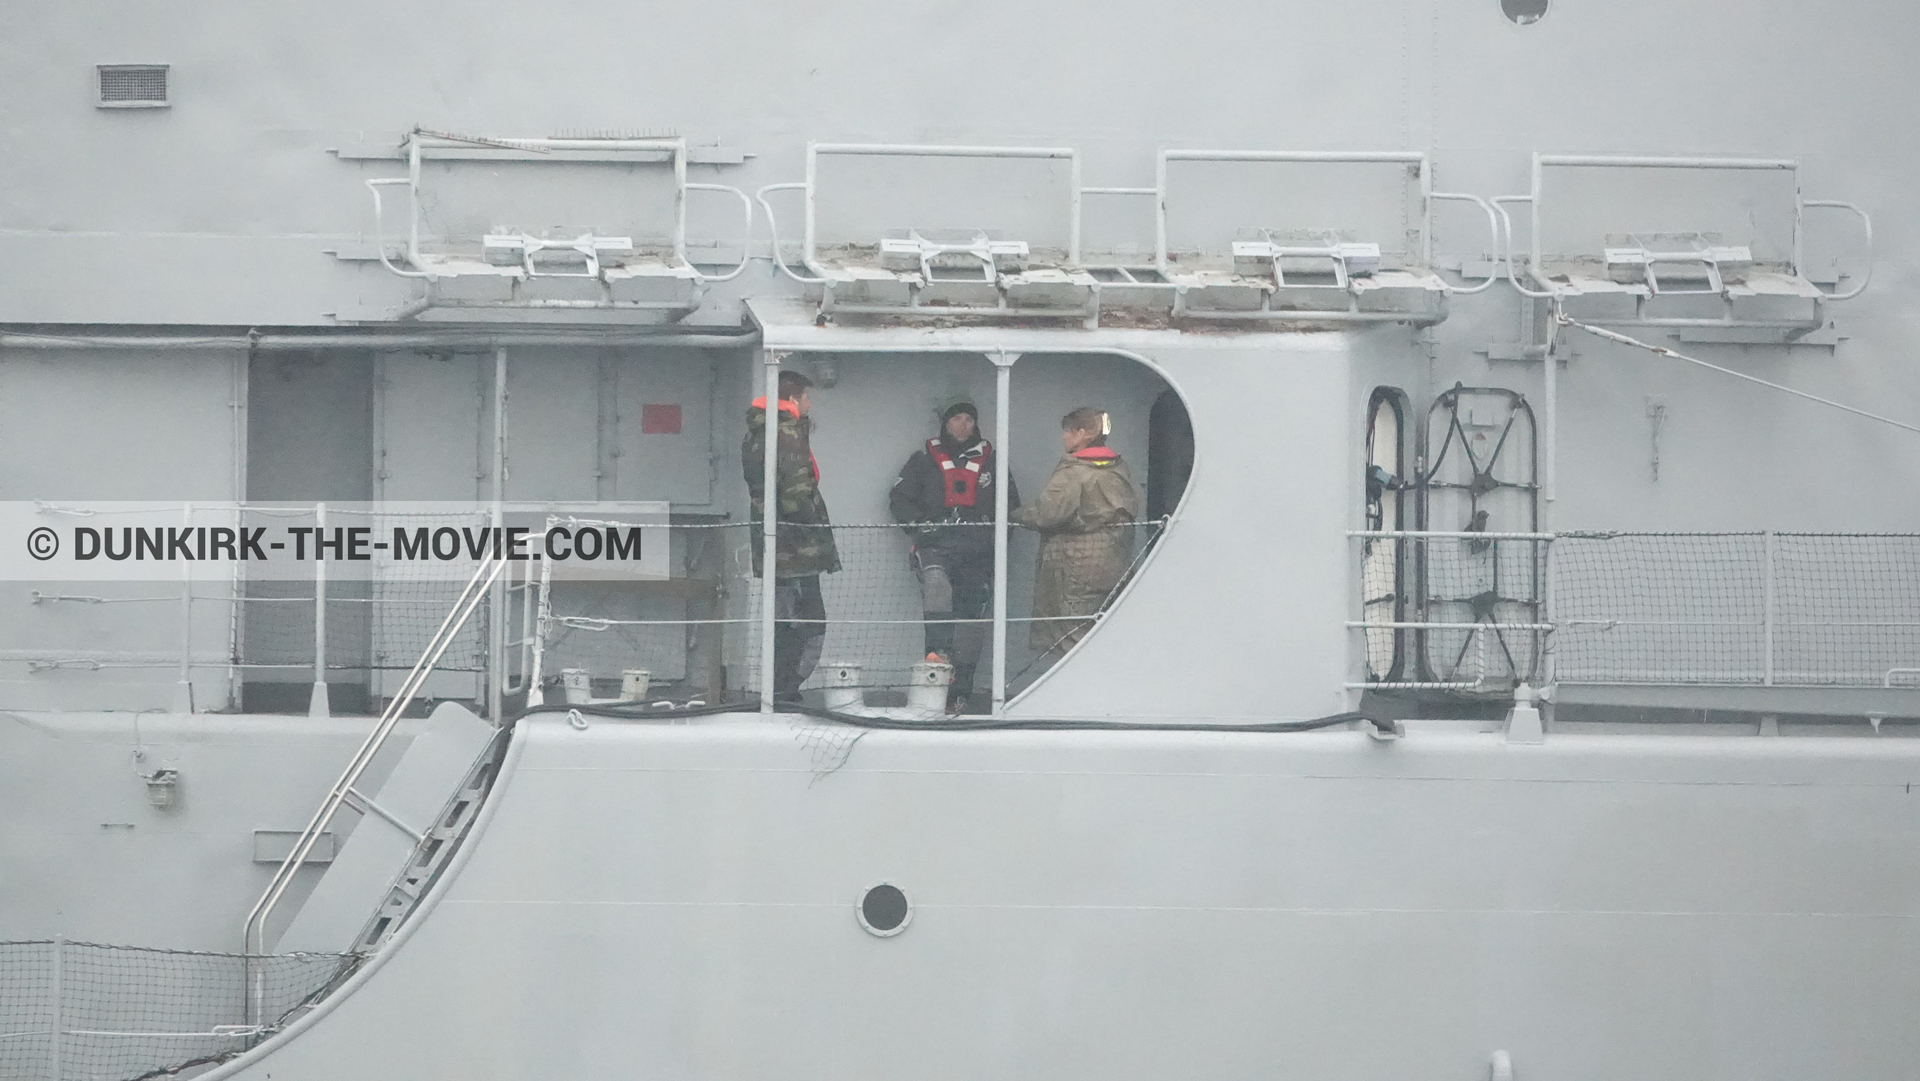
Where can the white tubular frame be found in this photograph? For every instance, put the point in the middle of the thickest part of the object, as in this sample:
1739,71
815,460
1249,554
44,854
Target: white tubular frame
676,150
1002,439
1543,162
773,229
769,522
1493,231
1423,170
746,231
318,702
1506,249
1416,158
809,242
1866,228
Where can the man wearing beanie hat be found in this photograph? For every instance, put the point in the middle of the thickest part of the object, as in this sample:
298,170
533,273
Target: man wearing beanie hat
944,500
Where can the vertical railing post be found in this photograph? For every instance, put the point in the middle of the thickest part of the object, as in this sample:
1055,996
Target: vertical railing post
317,702
1002,425
535,695
1547,520
497,595
183,688
1767,619
1550,639
769,523
55,1065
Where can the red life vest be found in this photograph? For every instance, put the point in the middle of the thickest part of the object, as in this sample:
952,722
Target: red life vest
960,480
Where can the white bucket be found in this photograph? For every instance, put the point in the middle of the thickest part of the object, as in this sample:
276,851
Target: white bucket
634,683
578,683
927,687
842,691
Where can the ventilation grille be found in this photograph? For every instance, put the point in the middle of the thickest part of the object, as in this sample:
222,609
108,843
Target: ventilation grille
133,86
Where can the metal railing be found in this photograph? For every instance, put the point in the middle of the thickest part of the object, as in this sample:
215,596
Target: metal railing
77,1011
343,790
1418,162
1758,608
1545,286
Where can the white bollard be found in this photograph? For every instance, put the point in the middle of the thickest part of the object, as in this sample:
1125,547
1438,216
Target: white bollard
1523,720
927,688
842,691
634,683
578,684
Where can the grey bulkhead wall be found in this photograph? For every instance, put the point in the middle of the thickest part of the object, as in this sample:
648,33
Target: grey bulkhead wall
310,439
81,425
573,424
1240,610
574,434
114,194
138,192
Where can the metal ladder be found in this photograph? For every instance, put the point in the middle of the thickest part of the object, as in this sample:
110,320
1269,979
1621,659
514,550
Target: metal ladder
434,850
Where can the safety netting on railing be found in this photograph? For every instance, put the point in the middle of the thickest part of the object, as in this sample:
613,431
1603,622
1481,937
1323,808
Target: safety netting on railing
1478,614
1456,610
374,622
868,599
681,625
1787,609
620,599
83,1011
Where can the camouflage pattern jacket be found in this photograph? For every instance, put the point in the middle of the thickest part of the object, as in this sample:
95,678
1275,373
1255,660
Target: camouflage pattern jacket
804,541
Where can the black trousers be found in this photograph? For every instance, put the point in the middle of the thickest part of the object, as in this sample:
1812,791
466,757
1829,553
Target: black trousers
955,589
799,631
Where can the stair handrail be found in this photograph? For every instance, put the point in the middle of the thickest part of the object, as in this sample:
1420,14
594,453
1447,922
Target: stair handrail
253,932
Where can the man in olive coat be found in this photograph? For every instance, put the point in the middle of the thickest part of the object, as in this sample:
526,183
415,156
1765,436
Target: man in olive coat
803,542
1085,519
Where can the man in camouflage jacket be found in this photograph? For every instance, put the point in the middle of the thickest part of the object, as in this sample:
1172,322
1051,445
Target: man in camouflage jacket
803,544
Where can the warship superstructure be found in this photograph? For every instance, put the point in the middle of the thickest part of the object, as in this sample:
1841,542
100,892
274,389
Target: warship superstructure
1513,673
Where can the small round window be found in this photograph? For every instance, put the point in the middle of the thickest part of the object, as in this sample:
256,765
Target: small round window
1524,12
884,910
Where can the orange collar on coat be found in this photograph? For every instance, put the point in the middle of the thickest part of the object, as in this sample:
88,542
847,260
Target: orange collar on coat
791,408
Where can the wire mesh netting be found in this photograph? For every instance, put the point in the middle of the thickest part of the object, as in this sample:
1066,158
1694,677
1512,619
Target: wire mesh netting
683,629
1495,583
1652,608
899,594
1382,568
91,1012
692,622
1790,609
380,624
27,1013
1473,608
903,593
1848,608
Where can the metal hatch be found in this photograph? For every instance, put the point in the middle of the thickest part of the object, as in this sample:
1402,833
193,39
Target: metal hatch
1480,475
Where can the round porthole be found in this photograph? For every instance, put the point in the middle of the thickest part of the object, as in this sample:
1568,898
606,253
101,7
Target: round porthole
1524,11
884,910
